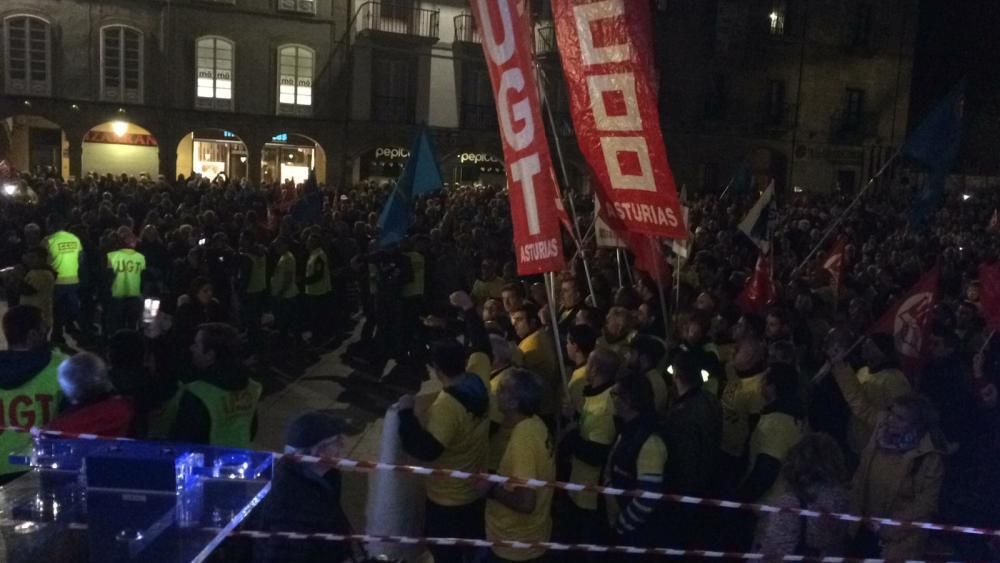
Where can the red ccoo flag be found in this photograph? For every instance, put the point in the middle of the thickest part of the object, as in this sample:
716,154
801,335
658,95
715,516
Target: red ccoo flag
834,264
908,321
989,298
759,291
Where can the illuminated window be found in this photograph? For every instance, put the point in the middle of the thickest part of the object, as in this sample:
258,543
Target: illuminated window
121,64
295,77
214,72
27,56
777,18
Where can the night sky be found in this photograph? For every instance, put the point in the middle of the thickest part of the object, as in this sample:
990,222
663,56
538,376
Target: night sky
956,39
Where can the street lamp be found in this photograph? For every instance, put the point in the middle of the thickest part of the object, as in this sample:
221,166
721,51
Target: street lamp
119,128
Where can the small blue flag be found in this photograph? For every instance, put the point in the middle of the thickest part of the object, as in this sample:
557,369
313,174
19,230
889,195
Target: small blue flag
934,144
421,176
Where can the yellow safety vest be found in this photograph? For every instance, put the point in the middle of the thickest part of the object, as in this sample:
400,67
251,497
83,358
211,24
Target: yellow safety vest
34,403
128,266
258,273
64,256
231,412
321,286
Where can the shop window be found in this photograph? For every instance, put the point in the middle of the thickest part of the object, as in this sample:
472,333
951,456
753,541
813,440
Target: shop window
214,65
121,64
296,64
27,56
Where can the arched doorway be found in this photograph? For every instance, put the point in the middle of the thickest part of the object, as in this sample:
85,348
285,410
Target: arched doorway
290,157
32,142
210,152
121,147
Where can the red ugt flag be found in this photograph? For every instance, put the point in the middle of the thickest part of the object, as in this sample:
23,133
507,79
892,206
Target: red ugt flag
909,321
607,49
507,39
759,291
989,297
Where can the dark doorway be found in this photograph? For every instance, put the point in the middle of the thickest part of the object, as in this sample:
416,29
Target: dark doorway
847,181
45,149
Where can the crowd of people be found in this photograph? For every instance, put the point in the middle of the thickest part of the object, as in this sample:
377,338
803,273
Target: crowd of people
169,289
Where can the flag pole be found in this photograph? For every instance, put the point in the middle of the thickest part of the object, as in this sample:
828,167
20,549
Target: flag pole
618,259
844,215
550,284
677,285
540,77
659,284
986,343
726,191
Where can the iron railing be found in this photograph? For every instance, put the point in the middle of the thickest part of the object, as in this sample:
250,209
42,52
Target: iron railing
401,18
545,39
466,30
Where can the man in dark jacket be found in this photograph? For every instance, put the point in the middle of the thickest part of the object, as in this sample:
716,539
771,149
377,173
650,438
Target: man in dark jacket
305,497
693,432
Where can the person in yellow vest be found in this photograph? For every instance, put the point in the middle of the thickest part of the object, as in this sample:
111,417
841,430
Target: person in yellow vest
454,435
318,288
619,328
252,285
284,289
539,355
588,440
64,256
521,513
29,383
742,400
488,284
580,342
220,407
127,266
413,301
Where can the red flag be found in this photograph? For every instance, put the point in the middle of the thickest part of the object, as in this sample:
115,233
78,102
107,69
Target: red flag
909,320
994,226
607,51
989,293
507,39
759,291
834,264
649,258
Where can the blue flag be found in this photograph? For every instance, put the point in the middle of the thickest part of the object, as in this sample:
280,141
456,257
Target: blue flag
934,144
421,176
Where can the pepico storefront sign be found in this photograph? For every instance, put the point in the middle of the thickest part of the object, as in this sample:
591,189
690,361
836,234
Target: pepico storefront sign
606,48
507,38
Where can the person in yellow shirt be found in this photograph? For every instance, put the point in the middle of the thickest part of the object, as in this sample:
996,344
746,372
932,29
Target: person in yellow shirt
455,435
489,284
588,440
38,285
881,383
521,513
742,400
539,355
580,342
637,461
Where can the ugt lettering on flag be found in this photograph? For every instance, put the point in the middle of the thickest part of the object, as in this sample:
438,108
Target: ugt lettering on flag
507,39
606,49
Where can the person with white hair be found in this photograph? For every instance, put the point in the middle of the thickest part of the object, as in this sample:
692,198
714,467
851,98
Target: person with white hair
94,405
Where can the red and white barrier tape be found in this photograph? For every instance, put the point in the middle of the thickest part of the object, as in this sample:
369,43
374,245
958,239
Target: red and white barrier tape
358,465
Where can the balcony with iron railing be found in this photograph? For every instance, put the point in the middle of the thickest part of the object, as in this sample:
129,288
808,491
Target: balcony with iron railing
545,39
398,20
466,30
479,117
393,109
852,128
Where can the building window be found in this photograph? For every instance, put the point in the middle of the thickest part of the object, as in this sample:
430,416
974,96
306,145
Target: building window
854,106
861,36
214,70
297,6
779,11
121,64
296,64
28,56
717,97
478,109
774,105
398,9
393,88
